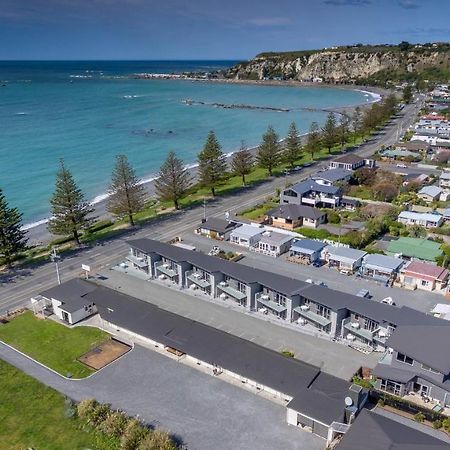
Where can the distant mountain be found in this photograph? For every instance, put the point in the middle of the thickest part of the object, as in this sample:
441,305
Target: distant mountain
376,65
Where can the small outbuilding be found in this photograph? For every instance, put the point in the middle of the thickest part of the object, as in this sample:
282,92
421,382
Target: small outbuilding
306,251
420,275
216,228
346,260
246,235
273,244
381,267
292,216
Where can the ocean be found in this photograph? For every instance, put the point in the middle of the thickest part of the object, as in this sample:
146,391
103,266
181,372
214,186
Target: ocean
89,111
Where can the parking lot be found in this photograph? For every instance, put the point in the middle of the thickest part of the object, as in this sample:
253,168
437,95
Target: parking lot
204,412
420,300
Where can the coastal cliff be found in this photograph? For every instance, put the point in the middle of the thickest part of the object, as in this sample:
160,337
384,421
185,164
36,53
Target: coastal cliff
349,64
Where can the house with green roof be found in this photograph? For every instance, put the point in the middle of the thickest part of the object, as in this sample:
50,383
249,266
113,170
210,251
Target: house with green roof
415,248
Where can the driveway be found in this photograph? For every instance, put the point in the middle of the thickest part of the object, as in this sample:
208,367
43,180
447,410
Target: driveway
204,412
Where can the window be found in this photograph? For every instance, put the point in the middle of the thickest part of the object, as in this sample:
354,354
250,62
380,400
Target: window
430,369
323,311
370,325
405,359
391,386
280,299
242,287
424,282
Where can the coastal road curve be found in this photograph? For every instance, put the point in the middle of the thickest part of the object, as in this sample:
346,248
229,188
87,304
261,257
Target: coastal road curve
17,286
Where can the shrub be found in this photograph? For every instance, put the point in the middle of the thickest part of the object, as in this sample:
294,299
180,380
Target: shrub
446,424
99,415
333,217
114,424
133,434
437,424
419,417
380,402
70,410
86,408
157,440
288,353
100,225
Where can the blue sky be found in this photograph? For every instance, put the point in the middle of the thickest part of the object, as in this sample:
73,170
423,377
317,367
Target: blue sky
208,29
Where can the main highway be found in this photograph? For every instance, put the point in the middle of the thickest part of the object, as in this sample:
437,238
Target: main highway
20,284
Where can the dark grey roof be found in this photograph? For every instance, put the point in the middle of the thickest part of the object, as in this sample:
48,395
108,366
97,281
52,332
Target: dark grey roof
205,343
211,264
350,201
426,343
219,225
72,294
290,211
310,185
387,372
349,159
372,431
332,175
386,262
323,400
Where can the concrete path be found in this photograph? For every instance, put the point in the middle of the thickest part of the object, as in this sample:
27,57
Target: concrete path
202,411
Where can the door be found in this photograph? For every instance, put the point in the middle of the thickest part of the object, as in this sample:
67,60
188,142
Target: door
65,316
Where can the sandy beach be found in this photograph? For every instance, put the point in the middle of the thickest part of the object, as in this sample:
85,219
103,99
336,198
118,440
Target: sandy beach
38,233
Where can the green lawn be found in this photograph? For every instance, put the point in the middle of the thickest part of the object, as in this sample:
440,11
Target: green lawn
54,345
34,416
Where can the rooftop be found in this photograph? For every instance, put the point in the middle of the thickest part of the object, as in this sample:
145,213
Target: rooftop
426,217
383,261
290,211
247,231
273,238
372,431
308,244
344,252
432,191
431,348
348,159
415,248
310,185
430,270
219,225
332,175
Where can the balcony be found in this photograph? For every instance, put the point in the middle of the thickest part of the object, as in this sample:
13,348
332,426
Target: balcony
264,299
196,278
311,316
358,331
166,270
140,262
232,292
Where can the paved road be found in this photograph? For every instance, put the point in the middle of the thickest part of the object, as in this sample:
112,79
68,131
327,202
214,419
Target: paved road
410,169
16,288
336,359
332,278
203,411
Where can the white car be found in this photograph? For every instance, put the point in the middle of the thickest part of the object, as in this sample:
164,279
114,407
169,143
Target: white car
403,166
388,301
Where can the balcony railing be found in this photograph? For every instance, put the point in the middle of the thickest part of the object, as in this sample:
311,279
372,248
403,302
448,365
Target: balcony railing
198,279
166,270
235,293
265,300
356,330
312,316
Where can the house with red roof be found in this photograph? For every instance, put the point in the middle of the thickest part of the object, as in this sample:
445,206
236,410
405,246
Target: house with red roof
420,275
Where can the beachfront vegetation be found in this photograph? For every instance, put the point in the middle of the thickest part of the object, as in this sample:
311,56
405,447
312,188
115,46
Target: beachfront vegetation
69,209
126,193
292,146
173,180
211,163
268,155
329,132
242,162
12,237
313,141
407,94
343,128
51,343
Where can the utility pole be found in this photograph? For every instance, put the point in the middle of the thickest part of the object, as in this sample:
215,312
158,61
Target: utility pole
54,258
204,209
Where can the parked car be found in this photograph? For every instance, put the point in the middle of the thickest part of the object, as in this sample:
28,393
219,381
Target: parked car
402,165
214,251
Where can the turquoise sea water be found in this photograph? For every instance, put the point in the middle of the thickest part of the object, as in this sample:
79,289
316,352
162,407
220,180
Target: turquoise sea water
87,112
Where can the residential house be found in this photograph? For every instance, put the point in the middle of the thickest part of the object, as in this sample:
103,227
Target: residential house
306,251
444,180
70,303
381,267
311,193
430,194
344,259
412,146
414,248
442,311
216,228
418,362
427,220
332,176
420,275
447,215
350,204
351,162
273,244
246,235
292,216
373,431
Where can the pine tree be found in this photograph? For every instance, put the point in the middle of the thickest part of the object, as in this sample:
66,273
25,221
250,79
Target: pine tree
12,237
313,141
343,128
268,155
126,192
173,180
329,132
242,162
357,120
211,163
68,207
292,146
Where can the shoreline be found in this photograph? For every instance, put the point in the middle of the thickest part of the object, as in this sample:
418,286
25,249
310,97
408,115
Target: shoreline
37,232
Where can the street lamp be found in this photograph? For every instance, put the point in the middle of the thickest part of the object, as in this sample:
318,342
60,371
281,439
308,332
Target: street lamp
54,258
